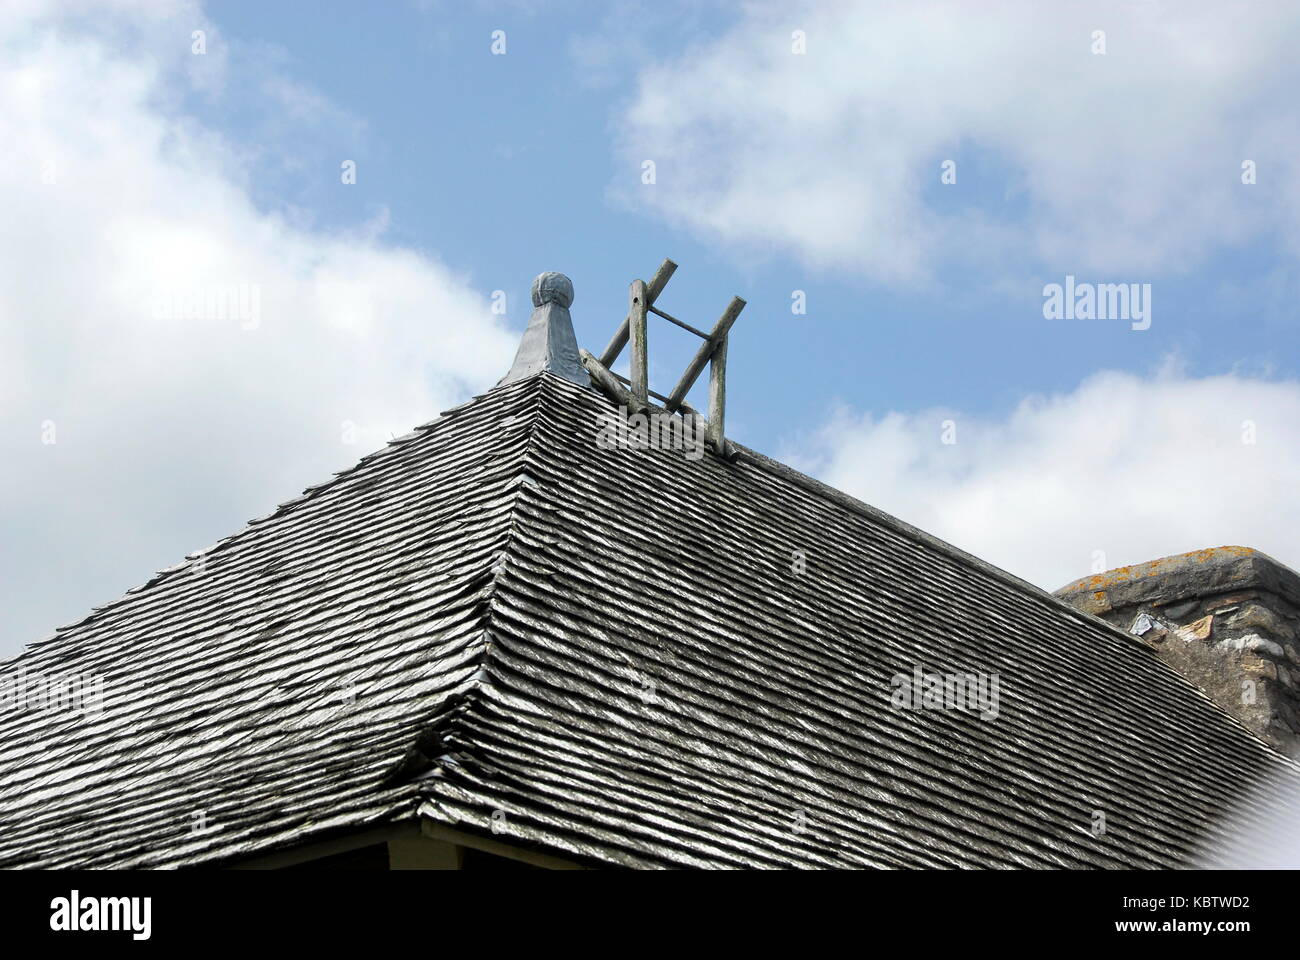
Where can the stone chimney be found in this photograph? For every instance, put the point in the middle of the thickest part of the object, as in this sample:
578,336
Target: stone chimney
1228,619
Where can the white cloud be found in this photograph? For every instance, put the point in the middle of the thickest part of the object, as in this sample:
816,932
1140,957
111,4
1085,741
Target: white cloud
1128,161
171,432
1137,468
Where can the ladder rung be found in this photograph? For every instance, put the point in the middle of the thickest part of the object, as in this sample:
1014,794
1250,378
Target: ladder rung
671,319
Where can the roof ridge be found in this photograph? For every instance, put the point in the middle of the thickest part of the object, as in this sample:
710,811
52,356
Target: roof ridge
775,467
309,493
771,466
918,535
444,728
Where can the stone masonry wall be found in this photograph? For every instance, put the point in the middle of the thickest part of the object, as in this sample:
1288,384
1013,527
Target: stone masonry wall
1228,619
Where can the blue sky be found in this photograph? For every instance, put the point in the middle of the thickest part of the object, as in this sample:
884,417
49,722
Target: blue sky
503,166
1080,442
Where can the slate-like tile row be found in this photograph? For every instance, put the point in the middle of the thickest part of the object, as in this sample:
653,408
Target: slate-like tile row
612,656
665,687
266,694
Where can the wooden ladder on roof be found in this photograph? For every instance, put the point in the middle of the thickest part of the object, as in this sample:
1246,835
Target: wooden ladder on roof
635,391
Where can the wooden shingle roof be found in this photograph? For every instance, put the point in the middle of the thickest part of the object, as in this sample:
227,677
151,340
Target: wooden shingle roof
610,655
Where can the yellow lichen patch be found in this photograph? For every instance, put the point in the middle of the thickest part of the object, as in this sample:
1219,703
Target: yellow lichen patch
1100,582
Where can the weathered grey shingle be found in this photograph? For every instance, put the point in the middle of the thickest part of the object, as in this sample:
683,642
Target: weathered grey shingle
614,652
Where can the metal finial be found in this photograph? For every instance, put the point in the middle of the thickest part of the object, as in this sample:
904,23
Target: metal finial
551,287
548,343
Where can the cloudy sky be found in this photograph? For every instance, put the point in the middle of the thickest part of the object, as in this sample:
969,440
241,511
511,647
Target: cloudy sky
914,173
